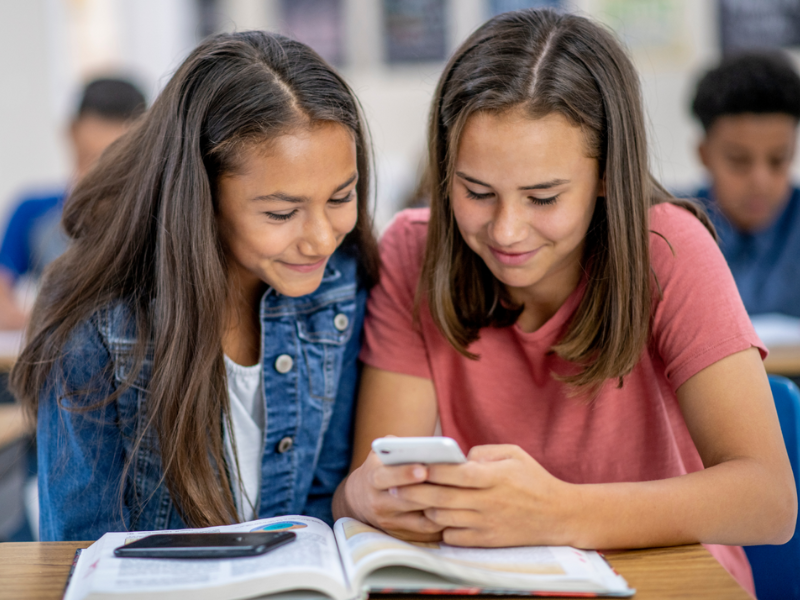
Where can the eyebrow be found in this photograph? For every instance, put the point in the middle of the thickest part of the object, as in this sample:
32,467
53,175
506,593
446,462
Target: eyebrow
283,197
545,185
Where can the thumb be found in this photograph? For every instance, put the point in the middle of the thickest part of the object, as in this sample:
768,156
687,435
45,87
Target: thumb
493,452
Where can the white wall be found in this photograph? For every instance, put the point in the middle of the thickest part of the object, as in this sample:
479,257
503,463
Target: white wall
32,148
49,49
43,60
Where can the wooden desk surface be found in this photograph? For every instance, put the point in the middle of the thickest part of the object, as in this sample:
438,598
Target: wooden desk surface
38,571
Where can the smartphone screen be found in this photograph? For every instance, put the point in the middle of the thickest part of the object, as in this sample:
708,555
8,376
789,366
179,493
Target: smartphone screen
205,545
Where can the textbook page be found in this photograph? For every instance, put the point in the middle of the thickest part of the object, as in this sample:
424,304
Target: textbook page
367,552
311,562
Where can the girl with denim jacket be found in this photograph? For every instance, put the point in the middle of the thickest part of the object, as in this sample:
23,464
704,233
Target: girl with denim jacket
191,359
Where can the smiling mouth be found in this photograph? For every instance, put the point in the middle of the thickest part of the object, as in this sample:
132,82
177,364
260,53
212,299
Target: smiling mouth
306,267
512,258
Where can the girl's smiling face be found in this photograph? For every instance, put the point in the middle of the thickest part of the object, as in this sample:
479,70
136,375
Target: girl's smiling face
523,195
287,208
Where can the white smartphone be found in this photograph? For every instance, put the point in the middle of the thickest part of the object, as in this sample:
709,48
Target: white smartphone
426,450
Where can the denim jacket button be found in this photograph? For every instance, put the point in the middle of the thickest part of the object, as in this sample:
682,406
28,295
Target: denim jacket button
285,445
341,322
284,363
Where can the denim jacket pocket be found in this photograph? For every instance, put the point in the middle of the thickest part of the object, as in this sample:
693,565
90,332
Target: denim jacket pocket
323,337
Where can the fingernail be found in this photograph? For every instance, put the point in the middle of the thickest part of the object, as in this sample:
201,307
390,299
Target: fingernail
393,491
419,472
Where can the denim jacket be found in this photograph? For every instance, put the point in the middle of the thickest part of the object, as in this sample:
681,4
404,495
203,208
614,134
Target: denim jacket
310,347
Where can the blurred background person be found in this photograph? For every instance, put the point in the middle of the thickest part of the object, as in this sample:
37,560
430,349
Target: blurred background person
749,106
33,237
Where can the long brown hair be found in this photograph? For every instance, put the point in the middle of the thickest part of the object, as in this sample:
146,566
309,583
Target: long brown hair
143,230
546,62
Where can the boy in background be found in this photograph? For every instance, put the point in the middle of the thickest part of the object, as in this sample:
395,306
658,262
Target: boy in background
33,237
749,107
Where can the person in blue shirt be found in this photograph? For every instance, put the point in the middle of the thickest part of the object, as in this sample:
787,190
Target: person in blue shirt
33,238
192,356
749,107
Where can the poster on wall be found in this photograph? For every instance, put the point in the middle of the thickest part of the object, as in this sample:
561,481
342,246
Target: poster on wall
652,28
415,30
748,24
318,23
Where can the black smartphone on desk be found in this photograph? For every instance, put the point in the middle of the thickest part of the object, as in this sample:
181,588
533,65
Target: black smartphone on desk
205,545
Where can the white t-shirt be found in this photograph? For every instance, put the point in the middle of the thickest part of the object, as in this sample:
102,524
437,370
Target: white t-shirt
248,421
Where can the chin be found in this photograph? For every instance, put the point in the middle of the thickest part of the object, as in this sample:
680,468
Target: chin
514,281
297,290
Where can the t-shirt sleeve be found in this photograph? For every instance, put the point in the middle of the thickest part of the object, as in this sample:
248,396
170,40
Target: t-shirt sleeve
699,317
393,339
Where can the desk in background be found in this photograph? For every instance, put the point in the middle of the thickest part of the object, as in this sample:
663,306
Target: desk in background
38,571
783,360
10,346
781,335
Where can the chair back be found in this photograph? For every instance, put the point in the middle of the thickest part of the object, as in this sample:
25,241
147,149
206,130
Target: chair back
776,569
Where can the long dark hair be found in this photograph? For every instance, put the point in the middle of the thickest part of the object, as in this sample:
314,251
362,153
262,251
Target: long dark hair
144,230
546,62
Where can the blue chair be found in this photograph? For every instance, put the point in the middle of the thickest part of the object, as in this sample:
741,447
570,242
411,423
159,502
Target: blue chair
776,569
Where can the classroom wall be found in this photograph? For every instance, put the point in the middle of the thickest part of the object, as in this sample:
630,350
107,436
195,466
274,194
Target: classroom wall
47,47
32,152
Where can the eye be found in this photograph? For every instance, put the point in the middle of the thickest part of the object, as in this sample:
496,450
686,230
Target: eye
777,162
350,196
544,201
280,216
476,196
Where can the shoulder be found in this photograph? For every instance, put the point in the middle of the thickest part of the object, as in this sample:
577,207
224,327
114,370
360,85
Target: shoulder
675,233
697,315
34,205
110,325
99,339
792,211
405,236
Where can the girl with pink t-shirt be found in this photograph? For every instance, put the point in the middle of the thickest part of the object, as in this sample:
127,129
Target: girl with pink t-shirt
570,324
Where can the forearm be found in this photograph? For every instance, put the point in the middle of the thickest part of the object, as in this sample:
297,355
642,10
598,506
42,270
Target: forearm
737,502
341,508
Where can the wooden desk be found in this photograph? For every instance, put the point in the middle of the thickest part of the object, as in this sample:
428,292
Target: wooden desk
783,360
38,571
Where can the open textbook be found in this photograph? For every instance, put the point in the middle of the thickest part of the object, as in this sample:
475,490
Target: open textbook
345,563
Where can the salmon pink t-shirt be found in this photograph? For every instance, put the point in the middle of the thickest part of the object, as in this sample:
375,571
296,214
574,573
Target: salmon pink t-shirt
509,395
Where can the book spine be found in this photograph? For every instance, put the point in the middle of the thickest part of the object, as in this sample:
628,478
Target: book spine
71,570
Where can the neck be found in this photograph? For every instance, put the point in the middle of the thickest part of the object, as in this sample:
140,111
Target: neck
542,301
241,338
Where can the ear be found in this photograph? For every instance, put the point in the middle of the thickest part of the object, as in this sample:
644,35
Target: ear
702,152
72,132
601,186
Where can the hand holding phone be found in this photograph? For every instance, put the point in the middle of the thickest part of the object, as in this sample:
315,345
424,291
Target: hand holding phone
425,450
205,545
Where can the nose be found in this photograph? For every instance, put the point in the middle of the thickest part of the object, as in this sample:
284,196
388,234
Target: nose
761,175
508,225
319,237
